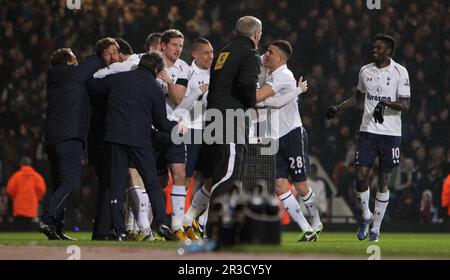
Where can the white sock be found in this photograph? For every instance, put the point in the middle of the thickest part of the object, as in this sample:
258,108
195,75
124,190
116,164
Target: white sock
132,200
381,203
130,222
363,199
149,209
178,199
198,205
138,205
313,212
291,205
143,222
204,217
202,220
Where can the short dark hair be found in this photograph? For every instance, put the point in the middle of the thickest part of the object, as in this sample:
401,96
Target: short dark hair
170,34
26,161
61,56
104,43
284,46
152,39
199,41
124,46
388,40
152,61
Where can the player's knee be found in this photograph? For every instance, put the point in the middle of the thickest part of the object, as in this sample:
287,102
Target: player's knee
302,187
179,177
281,186
280,189
383,188
361,178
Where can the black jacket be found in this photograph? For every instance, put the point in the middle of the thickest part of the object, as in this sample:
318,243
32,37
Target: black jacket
68,100
234,75
135,102
96,127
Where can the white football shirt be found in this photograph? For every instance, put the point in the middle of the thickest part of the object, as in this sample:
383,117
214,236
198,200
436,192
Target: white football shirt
197,77
287,118
179,70
389,83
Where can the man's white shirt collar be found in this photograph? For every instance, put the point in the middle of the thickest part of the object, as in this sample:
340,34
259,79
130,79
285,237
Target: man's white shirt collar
389,68
197,69
279,69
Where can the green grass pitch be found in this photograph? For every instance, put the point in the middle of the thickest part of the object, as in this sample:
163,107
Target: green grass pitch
404,245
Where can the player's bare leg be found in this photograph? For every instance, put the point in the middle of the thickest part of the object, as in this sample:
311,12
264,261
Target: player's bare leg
363,194
292,206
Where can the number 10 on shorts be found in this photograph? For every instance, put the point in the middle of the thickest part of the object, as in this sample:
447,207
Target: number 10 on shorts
396,155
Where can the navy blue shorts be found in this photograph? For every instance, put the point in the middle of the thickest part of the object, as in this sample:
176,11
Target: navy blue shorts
166,152
193,152
371,145
292,157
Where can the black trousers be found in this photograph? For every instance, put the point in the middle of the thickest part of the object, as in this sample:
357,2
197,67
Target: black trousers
143,160
100,162
65,163
228,167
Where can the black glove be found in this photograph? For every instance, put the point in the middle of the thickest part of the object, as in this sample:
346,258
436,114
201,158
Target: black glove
331,111
378,113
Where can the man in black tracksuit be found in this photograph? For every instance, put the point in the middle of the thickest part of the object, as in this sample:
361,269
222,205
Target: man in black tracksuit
234,75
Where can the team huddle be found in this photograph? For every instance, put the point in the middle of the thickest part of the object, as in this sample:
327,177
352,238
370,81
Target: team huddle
127,108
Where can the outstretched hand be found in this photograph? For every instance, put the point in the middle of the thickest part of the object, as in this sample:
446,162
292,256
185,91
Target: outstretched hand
164,76
378,113
181,127
302,85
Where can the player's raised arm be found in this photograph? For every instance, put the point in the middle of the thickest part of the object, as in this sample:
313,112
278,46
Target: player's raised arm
177,91
263,93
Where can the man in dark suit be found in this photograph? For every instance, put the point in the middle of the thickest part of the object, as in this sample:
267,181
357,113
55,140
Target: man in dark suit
135,102
108,49
66,131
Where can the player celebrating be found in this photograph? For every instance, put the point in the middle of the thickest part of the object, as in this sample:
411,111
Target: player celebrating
175,77
191,109
385,85
292,156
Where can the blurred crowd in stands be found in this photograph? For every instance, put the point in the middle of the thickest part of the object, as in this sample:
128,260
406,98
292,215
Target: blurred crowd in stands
331,41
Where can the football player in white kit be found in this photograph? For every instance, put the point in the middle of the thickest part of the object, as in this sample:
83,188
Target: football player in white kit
175,77
384,85
191,110
286,127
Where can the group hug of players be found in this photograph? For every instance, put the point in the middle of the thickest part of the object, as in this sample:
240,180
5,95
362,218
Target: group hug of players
110,97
